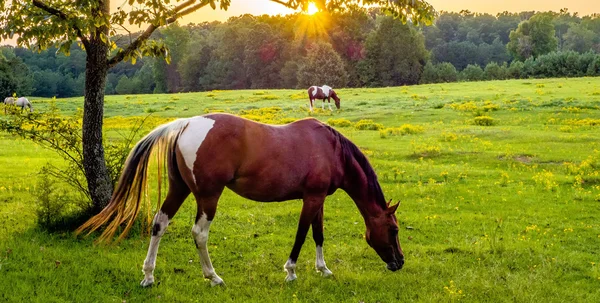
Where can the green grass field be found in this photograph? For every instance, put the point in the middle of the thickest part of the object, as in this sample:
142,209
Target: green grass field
501,212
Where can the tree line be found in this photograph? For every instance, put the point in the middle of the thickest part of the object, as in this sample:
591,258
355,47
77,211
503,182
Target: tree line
355,48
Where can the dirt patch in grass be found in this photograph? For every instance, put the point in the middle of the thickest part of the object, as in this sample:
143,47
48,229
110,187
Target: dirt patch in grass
522,158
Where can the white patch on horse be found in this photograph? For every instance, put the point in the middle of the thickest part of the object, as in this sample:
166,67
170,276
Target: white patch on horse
290,268
200,232
326,89
159,226
23,102
191,139
320,263
315,90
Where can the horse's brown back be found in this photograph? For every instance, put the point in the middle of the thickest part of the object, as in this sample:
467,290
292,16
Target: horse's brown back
318,94
264,162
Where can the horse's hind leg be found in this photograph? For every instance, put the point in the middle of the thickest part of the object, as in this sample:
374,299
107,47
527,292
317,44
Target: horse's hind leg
178,191
317,230
207,207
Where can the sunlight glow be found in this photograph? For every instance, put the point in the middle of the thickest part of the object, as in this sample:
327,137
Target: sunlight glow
312,9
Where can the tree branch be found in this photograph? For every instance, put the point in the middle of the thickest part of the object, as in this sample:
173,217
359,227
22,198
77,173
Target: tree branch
287,4
181,10
53,11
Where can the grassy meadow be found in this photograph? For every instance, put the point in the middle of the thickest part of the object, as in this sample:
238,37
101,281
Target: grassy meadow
499,183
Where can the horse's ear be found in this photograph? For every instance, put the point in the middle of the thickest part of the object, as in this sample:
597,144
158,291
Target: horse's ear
388,203
393,208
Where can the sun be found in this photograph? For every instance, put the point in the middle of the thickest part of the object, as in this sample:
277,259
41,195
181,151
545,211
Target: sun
312,9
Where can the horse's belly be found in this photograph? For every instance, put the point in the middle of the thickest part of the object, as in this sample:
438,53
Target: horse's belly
266,190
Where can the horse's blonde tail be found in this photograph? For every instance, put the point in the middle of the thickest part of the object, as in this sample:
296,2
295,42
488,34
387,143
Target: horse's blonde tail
125,204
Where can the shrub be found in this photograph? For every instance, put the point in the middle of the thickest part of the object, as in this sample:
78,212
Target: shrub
489,106
270,97
484,121
426,148
493,71
472,73
441,72
514,71
594,67
286,120
368,125
430,74
56,208
269,115
406,129
447,72
409,129
464,106
51,204
448,137
529,68
62,134
339,122
546,179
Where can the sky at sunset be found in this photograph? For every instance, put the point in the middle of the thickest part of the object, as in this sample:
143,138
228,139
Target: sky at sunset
258,7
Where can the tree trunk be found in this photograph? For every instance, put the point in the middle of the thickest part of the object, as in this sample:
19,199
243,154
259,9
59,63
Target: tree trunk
96,173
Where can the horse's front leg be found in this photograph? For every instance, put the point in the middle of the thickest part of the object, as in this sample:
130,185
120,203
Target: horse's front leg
329,103
317,230
310,209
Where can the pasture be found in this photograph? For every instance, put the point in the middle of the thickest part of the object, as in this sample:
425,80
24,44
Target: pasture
499,184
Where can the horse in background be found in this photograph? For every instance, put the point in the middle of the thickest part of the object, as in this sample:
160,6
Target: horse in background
305,160
322,93
21,102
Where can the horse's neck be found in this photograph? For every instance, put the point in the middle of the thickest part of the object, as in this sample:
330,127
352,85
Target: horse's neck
357,186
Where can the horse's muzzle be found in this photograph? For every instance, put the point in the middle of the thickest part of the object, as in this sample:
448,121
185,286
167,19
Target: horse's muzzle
395,265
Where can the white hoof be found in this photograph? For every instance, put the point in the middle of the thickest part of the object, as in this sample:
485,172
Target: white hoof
325,272
217,281
290,269
290,277
147,282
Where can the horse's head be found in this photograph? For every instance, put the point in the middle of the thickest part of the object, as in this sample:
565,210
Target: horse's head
382,236
336,99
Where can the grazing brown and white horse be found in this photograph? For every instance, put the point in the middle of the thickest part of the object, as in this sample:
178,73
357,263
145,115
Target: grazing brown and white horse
305,160
323,93
21,102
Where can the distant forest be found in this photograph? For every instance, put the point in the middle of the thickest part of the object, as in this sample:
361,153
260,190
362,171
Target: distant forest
356,48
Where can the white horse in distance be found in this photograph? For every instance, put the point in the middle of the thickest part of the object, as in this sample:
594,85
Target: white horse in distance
21,102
